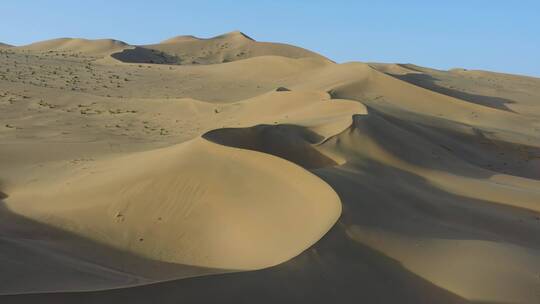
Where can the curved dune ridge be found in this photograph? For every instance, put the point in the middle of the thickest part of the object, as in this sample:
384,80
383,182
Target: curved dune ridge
185,206
287,177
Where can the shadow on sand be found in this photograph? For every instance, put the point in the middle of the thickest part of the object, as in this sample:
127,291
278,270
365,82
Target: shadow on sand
429,82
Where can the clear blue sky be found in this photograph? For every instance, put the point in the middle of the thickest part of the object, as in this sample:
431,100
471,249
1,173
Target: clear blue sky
476,34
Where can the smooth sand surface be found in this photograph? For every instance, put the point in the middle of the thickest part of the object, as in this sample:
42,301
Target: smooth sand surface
203,170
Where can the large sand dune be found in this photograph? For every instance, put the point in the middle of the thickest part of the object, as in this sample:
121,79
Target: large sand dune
77,45
230,170
228,47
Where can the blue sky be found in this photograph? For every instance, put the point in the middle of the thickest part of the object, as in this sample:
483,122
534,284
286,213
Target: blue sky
476,34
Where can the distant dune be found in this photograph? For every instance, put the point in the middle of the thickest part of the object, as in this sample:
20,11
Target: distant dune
85,46
229,170
223,48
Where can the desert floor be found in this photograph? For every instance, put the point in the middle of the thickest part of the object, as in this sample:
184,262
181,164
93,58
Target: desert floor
235,171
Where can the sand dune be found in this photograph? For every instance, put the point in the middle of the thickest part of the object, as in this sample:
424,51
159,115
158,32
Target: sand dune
228,47
226,169
501,91
85,46
141,210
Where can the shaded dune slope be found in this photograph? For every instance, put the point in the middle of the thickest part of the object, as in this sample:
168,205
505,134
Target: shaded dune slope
501,91
290,142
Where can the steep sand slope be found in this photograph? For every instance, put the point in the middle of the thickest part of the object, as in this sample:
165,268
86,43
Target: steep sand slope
223,48
117,182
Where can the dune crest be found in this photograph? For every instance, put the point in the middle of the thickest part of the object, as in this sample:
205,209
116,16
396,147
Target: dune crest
234,35
179,38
